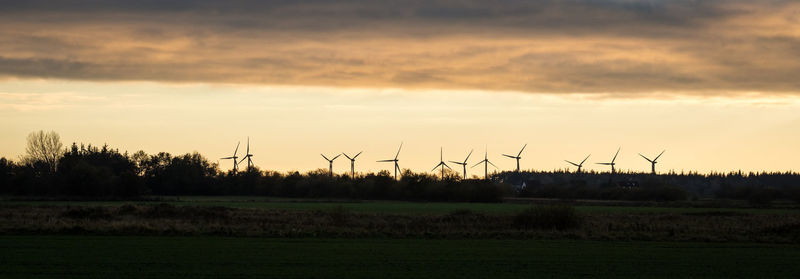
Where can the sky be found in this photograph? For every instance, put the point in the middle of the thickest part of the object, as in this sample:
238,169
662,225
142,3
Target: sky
712,82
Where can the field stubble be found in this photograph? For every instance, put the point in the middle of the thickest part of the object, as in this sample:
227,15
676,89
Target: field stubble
543,222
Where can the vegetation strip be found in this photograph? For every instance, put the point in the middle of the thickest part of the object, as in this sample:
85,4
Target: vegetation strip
540,222
412,208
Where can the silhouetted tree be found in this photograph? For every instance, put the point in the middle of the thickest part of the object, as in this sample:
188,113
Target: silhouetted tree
92,171
44,147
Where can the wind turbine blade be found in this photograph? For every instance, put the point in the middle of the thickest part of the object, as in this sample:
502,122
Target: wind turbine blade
242,160
237,148
225,158
323,156
470,153
492,164
434,168
441,152
615,155
481,162
523,148
574,164
509,156
444,164
248,145
659,155
337,156
454,162
607,164
359,153
390,160
640,154
348,157
397,167
584,159
398,150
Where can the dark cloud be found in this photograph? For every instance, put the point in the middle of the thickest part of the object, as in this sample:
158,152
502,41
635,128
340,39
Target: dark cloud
534,46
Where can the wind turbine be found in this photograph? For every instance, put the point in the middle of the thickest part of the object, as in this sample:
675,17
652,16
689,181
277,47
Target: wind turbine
653,162
396,166
612,164
247,156
234,157
441,163
330,162
486,163
579,165
518,156
352,163
464,164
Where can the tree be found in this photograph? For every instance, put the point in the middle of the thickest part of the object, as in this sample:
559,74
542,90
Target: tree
44,147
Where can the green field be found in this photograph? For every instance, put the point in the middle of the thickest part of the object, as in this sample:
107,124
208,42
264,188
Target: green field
397,207
219,257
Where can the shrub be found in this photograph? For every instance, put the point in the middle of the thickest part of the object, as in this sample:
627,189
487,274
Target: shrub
558,217
95,212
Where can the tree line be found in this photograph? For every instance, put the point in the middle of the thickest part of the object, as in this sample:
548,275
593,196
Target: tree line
101,172
48,169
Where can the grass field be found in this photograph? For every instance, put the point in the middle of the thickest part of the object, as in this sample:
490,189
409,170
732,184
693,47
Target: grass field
397,207
219,257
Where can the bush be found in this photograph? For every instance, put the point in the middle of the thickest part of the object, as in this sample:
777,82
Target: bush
558,217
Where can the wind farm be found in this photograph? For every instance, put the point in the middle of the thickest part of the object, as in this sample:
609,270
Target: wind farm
541,205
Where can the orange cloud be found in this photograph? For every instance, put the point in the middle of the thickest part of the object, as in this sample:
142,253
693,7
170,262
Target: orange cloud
612,47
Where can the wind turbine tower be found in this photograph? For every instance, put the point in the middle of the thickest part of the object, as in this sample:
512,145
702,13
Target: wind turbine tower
352,163
486,163
612,164
248,156
330,163
579,165
441,163
518,156
395,160
234,157
653,162
464,164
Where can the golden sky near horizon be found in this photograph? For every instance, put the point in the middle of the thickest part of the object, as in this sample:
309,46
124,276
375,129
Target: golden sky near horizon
715,83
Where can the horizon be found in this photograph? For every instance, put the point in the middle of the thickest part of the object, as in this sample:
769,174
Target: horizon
325,111
711,83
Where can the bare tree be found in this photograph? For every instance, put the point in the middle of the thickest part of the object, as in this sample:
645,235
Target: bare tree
44,147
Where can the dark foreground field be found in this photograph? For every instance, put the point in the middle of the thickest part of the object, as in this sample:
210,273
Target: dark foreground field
254,239
224,257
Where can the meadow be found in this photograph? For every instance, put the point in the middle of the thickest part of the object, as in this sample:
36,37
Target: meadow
537,222
411,208
227,257
244,237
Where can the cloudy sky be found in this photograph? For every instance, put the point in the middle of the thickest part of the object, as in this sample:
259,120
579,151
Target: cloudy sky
713,82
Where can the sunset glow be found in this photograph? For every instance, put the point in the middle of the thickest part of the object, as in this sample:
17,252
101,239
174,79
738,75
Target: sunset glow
713,83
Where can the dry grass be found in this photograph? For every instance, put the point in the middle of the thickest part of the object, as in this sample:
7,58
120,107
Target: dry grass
165,219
